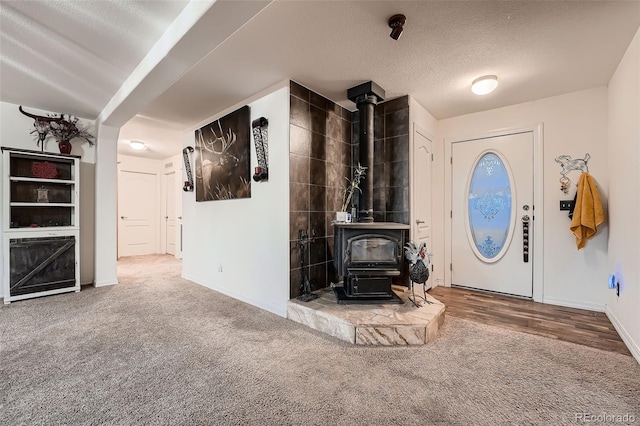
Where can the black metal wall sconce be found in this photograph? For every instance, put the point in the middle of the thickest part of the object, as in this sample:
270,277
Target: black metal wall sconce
261,139
188,184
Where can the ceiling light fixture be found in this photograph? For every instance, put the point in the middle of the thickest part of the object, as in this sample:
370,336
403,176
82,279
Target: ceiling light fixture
138,145
484,85
396,23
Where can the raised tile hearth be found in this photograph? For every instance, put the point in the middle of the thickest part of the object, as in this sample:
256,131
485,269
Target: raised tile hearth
375,324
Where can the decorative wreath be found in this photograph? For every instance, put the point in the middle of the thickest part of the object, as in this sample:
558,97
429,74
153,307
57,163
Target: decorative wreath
44,170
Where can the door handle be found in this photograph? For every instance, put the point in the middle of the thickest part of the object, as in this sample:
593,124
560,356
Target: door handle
418,221
180,217
124,217
525,238
166,217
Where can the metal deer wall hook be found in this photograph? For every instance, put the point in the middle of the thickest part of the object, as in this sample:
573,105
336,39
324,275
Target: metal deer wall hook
568,164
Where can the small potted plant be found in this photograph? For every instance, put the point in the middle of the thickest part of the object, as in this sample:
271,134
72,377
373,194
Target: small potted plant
349,190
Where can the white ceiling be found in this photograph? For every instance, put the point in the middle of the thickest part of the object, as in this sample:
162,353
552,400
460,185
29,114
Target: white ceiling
72,56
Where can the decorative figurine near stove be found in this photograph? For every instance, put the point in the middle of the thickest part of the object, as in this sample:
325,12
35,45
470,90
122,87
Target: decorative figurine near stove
305,286
419,261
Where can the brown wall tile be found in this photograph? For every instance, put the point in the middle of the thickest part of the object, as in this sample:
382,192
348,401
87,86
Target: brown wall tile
299,113
299,197
396,104
318,100
334,151
317,223
317,198
318,120
318,146
318,172
396,123
294,283
318,276
294,255
298,168
299,140
397,149
318,251
334,127
297,221
299,91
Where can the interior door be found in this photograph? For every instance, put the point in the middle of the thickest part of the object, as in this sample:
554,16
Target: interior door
170,212
137,213
423,157
492,214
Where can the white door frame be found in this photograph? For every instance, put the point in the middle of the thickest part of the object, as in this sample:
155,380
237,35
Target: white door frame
538,197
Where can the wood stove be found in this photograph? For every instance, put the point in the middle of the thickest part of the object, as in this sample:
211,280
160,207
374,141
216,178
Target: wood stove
368,257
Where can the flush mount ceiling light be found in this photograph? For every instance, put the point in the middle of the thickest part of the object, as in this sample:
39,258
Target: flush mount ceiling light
484,85
139,145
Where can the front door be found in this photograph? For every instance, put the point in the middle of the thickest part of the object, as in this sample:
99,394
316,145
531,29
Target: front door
492,214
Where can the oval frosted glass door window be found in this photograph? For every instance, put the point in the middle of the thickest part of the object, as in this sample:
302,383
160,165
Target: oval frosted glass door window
489,207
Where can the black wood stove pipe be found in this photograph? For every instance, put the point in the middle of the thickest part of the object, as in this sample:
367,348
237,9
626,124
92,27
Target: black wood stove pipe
366,96
366,106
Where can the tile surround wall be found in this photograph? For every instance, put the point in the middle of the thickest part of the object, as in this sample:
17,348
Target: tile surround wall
320,153
320,157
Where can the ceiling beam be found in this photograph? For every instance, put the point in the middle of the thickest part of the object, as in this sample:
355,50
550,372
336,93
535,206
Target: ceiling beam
200,28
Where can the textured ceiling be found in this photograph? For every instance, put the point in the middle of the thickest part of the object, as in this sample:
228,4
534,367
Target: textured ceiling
537,49
71,56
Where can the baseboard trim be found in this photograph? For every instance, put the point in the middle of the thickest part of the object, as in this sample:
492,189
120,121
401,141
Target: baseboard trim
277,310
589,306
634,347
105,283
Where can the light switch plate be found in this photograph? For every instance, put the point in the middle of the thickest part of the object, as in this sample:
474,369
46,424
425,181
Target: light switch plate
566,204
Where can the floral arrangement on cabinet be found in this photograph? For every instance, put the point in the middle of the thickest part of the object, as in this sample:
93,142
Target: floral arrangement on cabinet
62,129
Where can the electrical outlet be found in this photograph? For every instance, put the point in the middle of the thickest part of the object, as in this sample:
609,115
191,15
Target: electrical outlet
566,204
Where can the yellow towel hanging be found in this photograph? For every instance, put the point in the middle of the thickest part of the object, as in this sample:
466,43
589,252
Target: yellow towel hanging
588,213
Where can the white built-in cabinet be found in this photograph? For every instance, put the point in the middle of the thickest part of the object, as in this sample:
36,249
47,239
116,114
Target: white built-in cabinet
41,233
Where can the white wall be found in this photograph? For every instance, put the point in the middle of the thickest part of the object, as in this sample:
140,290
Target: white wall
574,124
14,133
247,238
624,198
